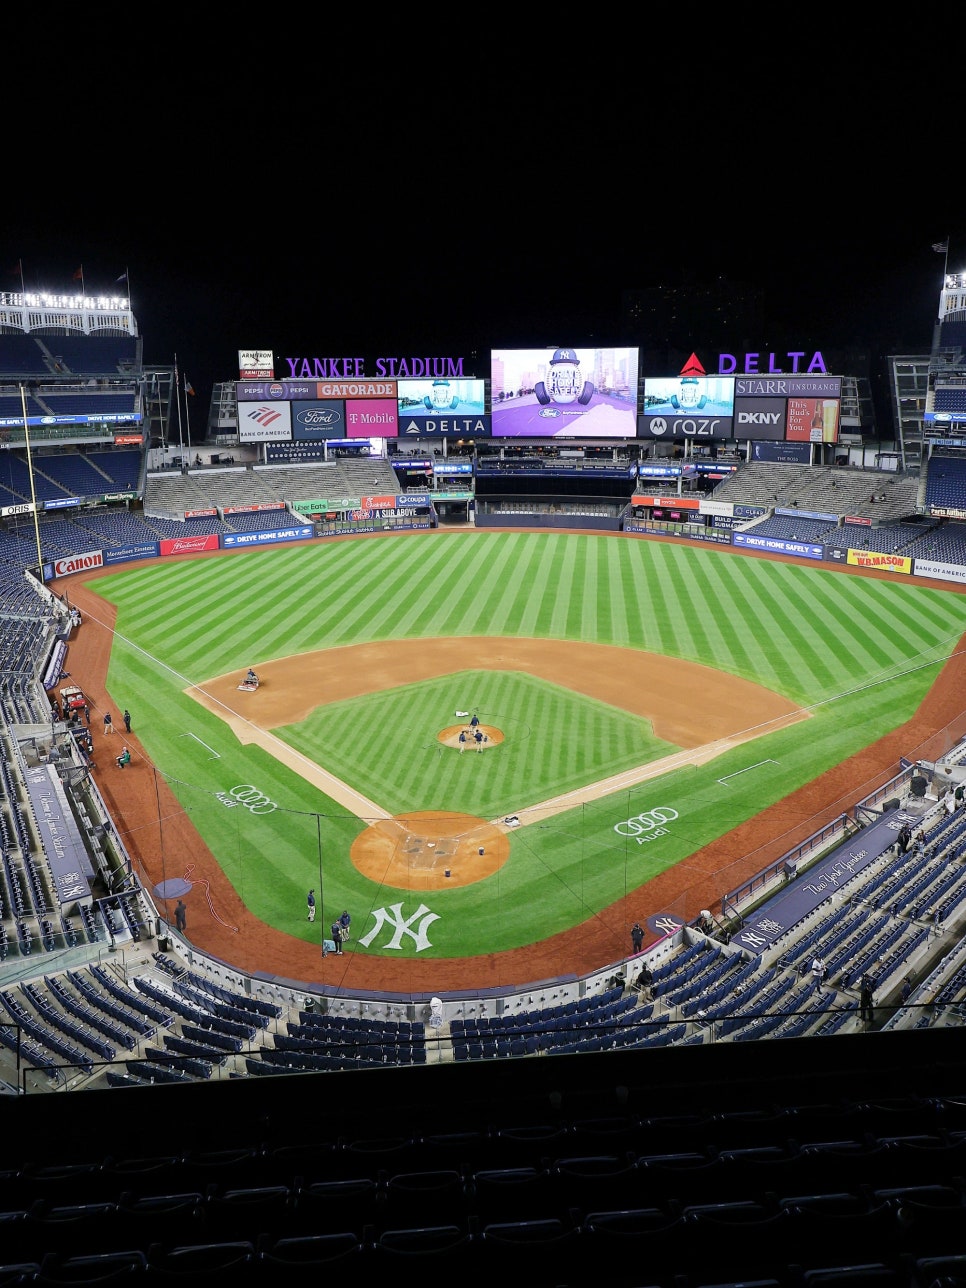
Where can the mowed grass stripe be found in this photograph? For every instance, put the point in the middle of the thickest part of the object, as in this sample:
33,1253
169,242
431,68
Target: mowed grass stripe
737,616
615,609
867,644
794,649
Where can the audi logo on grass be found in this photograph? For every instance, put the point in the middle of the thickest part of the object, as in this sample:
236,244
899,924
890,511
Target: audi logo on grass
644,827
249,798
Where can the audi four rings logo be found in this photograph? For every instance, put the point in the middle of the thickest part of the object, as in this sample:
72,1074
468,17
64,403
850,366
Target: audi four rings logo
641,823
252,799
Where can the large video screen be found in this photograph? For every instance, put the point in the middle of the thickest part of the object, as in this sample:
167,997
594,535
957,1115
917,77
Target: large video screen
689,396
442,397
564,393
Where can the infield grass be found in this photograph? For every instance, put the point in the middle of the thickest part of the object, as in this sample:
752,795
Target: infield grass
859,652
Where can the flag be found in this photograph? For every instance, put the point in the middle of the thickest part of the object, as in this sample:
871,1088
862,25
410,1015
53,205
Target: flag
187,387
17,269
941,247
79,274
122,278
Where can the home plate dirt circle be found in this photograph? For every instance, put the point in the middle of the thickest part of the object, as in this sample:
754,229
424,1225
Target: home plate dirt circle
430,850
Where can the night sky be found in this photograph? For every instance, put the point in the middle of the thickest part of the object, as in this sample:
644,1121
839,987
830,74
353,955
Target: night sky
368,220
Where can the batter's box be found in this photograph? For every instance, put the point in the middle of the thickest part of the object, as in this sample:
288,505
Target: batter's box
447,846
444,847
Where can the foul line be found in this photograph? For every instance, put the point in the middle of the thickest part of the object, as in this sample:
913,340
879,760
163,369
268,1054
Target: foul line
215,755
747,768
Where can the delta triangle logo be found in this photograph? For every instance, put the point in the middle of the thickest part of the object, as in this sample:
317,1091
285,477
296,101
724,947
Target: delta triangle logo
693,367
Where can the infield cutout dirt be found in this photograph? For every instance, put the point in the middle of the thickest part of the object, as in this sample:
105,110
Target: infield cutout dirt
703,711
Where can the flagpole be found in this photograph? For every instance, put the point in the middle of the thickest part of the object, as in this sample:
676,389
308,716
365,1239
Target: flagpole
177,398
187,417
23,289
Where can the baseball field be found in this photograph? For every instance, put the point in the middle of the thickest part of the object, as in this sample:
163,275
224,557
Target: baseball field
639,700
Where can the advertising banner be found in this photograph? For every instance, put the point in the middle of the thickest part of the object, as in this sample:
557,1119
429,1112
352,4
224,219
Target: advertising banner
319,420
264,422
783,453
453,426
878,559
760,418
812,420
299,532
189,545
778,545
372,418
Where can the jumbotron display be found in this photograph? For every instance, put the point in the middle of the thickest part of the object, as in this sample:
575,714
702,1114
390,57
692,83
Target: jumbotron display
564,393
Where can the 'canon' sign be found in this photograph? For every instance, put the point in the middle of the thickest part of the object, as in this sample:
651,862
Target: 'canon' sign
78,563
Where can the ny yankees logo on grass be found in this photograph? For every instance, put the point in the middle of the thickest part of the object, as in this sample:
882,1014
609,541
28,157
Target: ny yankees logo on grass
392,918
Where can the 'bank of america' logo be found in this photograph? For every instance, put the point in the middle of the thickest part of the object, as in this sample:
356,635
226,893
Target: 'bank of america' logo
264,415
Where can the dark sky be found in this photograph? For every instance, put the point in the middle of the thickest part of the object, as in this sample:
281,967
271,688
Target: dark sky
421,217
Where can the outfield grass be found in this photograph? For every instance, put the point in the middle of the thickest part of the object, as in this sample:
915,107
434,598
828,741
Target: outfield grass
859,652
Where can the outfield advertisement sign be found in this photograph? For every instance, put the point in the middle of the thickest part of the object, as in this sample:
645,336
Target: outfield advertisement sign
719,536
102,418
189,545
145,550
298,533
878,559
778,545
941,571
77,563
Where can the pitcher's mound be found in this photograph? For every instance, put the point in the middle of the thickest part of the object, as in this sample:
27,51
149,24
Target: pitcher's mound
450,737
417,851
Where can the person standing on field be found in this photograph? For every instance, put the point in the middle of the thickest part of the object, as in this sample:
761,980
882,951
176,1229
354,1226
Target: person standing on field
108,722
127,720
310,900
